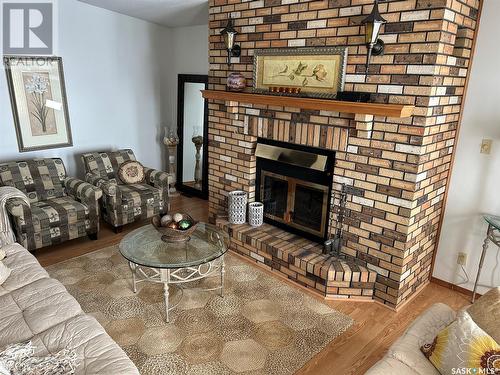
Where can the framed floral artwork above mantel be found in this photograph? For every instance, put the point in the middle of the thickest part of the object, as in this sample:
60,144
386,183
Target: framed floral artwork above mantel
39,104
318,71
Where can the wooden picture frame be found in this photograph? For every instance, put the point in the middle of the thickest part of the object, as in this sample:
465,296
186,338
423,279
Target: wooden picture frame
39,104
318,72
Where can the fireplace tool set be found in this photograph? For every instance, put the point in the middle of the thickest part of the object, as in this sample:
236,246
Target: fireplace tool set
333,244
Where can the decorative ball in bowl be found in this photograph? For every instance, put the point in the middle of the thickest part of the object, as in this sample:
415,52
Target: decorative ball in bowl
174,227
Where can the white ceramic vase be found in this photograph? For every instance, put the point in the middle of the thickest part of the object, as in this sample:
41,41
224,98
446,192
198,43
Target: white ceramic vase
237,206
255,214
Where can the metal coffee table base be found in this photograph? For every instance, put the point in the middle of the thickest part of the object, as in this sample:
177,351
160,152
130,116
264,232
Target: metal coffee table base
178,276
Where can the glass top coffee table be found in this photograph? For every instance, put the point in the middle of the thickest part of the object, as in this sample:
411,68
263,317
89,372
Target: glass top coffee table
154,260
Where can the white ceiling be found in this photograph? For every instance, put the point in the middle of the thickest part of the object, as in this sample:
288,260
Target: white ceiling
170,13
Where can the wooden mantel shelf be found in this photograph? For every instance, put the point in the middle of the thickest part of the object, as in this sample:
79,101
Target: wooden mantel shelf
377,109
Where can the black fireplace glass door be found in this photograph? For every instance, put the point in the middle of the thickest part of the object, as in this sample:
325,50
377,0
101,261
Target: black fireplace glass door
274,196
309,207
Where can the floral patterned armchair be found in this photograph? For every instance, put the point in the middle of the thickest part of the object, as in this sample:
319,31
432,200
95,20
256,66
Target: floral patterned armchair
61,208
125,203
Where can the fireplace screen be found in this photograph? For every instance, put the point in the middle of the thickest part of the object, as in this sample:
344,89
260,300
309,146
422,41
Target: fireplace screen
297,203
309,206
275,196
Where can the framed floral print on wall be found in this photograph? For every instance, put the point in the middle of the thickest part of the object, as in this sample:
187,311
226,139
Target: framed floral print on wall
318,71
39,104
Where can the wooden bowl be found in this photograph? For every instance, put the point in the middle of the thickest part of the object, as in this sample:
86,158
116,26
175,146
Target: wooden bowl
171,234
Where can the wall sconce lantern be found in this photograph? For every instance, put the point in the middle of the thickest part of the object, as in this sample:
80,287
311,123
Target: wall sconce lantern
373,23
229,34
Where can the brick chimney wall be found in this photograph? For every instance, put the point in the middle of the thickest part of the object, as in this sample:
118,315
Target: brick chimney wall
396,169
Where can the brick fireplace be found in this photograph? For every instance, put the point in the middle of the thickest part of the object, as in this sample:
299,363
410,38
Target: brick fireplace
395,169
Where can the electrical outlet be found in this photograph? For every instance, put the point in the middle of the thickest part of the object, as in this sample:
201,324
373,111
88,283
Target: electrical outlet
462,259
486,146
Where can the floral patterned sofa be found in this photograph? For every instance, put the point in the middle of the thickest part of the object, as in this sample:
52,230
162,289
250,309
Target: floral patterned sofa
61,208
125,203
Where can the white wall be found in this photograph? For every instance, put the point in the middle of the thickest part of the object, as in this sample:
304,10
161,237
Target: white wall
112,64
188,51
189,56
475,183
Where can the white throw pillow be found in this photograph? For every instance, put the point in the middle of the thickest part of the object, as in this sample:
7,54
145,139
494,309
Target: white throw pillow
4,273
2,253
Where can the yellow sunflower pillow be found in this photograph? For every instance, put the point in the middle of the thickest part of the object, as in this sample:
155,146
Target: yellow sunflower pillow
463,348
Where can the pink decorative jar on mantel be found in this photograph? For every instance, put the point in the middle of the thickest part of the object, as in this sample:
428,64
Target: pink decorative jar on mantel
236,82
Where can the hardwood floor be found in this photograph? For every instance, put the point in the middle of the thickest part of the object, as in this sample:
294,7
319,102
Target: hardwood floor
374,330
354,352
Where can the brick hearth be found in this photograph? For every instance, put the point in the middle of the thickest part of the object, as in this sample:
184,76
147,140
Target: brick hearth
301,260
396,168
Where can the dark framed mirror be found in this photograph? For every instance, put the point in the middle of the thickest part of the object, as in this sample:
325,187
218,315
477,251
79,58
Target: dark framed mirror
192,128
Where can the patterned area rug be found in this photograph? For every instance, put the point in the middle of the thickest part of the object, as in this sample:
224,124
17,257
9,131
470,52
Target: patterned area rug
261,325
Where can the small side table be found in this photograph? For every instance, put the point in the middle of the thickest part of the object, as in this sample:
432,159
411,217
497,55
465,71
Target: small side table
493,235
